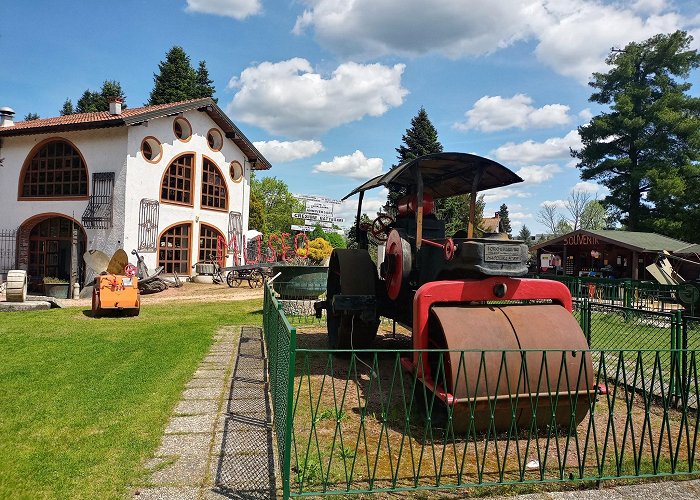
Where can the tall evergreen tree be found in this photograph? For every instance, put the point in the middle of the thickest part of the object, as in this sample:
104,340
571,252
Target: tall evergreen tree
505,220
177,80
421,139
205,87
31,116
91,102
525,235
646,148
67,108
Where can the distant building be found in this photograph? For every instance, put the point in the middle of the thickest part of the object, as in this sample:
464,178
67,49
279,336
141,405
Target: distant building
170,181
603,253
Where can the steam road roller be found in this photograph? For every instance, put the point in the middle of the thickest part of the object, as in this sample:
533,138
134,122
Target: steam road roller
480,330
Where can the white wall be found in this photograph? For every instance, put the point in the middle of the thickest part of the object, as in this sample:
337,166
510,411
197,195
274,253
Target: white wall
103,151
144,181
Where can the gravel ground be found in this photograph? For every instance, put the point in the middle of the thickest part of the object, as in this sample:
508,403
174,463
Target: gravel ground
188,292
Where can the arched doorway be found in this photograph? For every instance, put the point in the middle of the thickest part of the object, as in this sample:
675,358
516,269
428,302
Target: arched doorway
48,247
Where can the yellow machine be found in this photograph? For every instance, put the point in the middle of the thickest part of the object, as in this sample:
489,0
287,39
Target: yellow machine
114,292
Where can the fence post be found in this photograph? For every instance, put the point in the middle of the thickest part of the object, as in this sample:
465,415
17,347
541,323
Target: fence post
287,465
684,353
585,319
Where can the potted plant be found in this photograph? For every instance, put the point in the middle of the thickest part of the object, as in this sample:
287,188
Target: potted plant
55,287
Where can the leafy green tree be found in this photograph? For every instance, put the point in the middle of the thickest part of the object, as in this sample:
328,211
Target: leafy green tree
455,213
67,108
646,147
336,240
278,204
525,235
256,213
351,236
419,140
505,220
594,216
31,116
177,80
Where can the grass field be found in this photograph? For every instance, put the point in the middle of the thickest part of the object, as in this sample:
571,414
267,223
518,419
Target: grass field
84,401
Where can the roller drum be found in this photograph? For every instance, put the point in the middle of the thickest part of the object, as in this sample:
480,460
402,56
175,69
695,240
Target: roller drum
499,365
16,286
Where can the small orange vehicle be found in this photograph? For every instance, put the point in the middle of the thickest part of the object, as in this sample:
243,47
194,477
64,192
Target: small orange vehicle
113,292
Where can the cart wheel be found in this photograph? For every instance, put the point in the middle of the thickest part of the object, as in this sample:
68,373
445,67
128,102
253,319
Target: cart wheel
233,279
256,279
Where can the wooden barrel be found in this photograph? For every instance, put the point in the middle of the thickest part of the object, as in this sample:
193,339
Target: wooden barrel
16,289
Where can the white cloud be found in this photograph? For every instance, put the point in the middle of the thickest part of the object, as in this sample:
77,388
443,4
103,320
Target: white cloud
537,174
498,194
591,187
560,204
555,148
284,151
371,204
237,9
493,113
585,114
572,37
289,98
356,165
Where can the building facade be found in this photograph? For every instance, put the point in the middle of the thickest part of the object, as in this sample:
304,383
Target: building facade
169,181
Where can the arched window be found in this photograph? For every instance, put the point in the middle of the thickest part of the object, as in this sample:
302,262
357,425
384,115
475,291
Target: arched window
208,244
56,170
178,180
174,249
213,186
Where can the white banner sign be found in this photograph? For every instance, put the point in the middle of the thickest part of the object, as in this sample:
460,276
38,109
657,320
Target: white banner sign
323,218
320,199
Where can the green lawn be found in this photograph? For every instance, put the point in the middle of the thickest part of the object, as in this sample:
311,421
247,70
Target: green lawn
84,401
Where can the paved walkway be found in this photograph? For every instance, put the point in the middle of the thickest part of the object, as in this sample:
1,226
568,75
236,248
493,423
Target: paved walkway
218,443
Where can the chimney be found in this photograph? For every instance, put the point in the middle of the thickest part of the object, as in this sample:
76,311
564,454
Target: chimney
6,115
115,105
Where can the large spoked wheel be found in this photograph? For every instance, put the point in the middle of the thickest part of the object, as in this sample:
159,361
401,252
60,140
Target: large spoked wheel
232,279
350,272
256,279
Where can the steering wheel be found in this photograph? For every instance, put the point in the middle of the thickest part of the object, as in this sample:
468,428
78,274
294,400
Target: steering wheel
380,225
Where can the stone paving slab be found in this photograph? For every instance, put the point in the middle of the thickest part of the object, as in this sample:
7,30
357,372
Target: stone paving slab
190,424
186,470
167,493
184,444
197,407
202,393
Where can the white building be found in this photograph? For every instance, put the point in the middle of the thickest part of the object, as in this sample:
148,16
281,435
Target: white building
170,181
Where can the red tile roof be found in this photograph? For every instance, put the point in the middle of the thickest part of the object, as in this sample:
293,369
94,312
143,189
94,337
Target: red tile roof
98,117
133,116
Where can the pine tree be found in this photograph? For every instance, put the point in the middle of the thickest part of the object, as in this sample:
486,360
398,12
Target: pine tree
505,220
525,235
646,147
176,79
91,102
31,116
67,108
205,87
419,140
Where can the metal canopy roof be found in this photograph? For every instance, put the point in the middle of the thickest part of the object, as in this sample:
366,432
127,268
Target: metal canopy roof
444,175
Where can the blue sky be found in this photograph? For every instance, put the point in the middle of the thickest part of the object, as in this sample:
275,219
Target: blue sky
326,88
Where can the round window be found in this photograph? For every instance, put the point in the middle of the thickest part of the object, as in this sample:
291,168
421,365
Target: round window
182,129
236,171
151,149
215,140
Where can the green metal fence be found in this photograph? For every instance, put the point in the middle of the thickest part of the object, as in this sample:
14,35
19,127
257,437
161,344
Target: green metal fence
358,421
637,294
